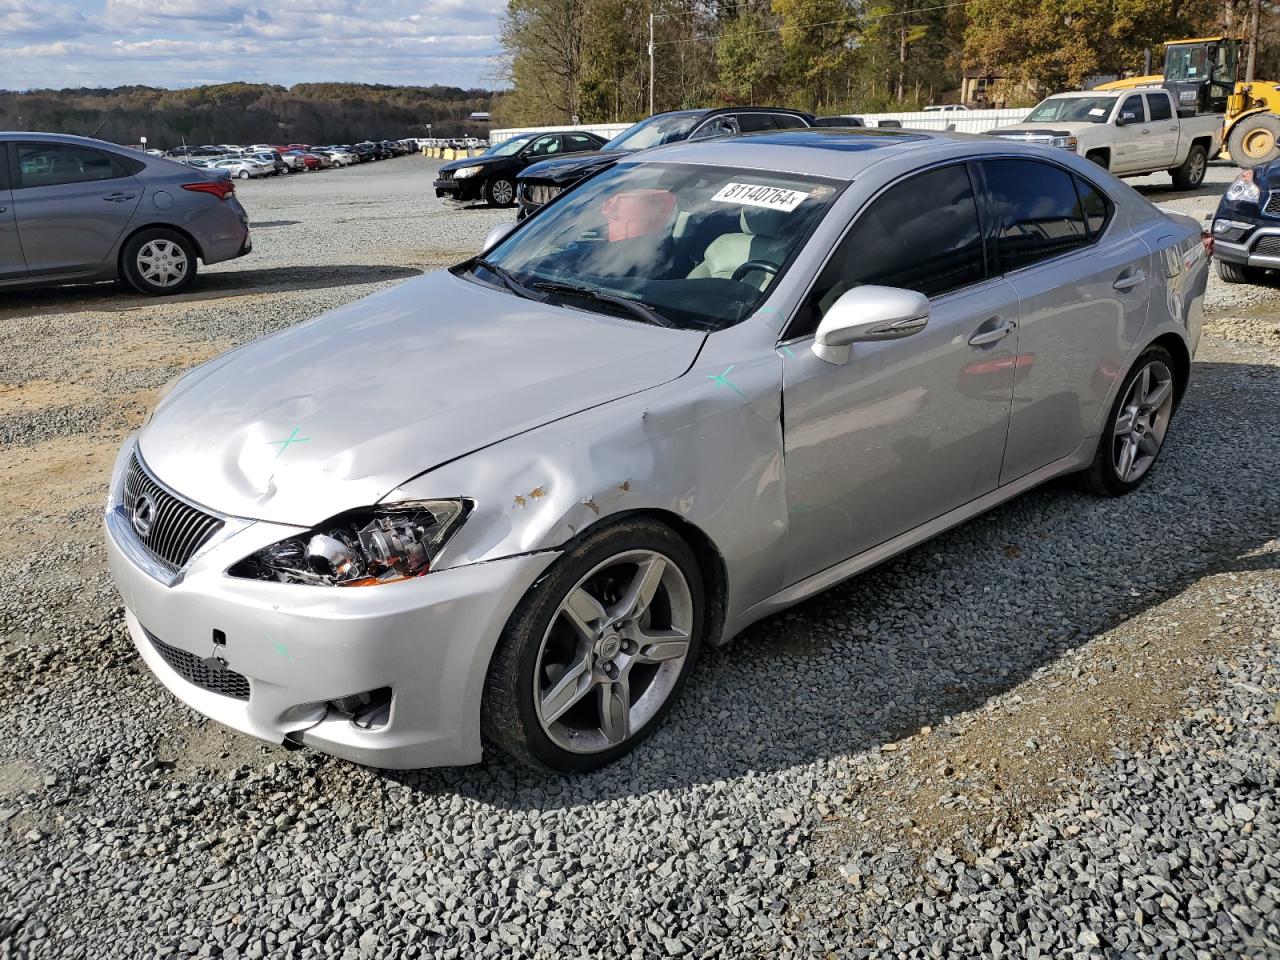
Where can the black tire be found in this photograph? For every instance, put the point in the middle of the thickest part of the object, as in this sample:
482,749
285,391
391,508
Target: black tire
500,192
131,269
1191,173
1098,157
1248,143
1101,477
509,719
1239,273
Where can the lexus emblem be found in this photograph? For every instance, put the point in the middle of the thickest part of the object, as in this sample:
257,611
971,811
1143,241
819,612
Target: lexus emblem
144,513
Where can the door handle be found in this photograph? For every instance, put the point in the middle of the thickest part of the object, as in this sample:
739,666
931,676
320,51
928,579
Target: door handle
994,335
118,197
1128,280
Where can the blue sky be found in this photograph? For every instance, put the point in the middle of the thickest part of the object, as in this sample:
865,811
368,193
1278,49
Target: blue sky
181,43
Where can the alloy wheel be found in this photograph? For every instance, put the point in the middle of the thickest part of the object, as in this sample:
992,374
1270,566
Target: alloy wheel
503,192
162,263
613,652
1142,421
1196,173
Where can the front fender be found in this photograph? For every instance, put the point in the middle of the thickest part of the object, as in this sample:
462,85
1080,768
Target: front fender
706,447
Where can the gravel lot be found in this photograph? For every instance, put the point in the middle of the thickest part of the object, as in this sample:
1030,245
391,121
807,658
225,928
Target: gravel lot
1052,732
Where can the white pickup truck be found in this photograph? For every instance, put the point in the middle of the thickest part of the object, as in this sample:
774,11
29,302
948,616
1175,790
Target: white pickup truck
1130,132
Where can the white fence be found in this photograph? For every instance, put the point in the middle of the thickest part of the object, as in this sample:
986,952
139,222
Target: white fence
964,121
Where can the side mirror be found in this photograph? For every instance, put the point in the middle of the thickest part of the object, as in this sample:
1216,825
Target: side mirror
866,314
497,235
1126,116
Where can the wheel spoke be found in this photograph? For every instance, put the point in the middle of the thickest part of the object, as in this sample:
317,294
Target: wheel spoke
1126,458
1144,383
571,688
1156,398
1148,445
1124,422
640,592
659,645
615,710
583,610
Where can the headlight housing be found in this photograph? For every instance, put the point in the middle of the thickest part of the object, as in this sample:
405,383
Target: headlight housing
463,172
361,548
1243,189
1065,143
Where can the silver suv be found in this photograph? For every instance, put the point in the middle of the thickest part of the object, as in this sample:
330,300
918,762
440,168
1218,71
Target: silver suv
75,210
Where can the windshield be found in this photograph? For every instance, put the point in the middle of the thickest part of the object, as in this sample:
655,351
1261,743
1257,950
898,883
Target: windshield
1186,63
1073,109
698,245
508,147
654,132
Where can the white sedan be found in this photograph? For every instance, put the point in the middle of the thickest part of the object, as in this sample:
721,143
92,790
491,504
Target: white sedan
243,168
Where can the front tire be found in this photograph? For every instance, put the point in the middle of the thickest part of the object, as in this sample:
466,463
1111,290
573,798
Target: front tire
1240,273
1134,432
598,650
158,262
1190,174
1099,157
500,192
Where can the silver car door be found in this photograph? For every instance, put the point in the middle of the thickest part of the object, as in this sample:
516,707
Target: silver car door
72,203
904,430
1132,148
1083,288
12,264
1163,141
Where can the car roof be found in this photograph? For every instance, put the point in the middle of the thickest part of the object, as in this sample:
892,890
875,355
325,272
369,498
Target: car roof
1077,94
11,135
832,152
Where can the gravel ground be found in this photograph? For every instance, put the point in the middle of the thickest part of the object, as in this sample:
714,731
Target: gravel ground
1052,732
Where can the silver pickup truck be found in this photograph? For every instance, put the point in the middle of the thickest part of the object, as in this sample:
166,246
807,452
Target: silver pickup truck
1130,132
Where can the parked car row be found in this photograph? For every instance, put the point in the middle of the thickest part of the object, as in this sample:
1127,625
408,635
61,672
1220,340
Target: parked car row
264,160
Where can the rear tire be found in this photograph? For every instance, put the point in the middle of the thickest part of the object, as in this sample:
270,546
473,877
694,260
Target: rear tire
158,262
1255,140
243,174
581,675
1190,174
1240,273
1134,433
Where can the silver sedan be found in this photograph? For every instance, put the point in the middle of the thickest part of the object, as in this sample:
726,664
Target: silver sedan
513,499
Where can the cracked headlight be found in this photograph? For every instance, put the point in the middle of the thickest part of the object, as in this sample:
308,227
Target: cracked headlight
463,172
361,548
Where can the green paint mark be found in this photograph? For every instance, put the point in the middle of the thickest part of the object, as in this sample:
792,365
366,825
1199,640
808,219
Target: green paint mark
722,380
801,509
281,650
284,444
785,350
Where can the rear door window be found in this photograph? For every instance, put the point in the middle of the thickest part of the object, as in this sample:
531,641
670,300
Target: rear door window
1097,207
753,122
1037,210
576,142
1158,104
786,121
51,164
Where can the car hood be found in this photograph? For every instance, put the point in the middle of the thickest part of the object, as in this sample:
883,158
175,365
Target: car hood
570,167
473,161
1054,129
336,412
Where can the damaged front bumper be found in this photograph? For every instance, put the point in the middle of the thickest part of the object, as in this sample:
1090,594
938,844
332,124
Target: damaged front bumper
388,676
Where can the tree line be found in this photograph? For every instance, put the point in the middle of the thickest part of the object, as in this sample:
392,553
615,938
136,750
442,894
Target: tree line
589,58
249,113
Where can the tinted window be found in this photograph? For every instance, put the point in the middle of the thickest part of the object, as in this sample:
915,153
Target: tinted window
545,146
1158,104
921,234
1037,211
1133,105
751,122
1097,207
787,122
576,141
49,164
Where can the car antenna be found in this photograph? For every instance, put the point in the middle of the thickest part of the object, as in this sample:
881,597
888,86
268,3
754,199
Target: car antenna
99,127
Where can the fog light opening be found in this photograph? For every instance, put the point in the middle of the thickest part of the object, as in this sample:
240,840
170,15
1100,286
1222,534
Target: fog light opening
370,710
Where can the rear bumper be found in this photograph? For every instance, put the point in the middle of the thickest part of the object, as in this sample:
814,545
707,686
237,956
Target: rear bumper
222,232
289,651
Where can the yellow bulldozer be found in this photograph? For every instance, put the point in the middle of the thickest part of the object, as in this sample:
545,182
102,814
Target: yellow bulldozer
1202,74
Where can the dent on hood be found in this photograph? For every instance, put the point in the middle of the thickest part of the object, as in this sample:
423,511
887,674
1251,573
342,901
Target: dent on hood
707,448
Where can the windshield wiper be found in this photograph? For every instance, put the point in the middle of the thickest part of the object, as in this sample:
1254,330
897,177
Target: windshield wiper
508,280
640,311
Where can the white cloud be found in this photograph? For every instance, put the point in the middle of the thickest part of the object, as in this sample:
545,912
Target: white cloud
188,42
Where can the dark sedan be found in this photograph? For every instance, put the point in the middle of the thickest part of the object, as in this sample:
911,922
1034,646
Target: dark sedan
491,176
545,181
1246,228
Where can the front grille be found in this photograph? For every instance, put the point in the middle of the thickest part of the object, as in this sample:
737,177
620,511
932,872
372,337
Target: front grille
1268,246
541,193
446,174
178,529
206,674
1273,202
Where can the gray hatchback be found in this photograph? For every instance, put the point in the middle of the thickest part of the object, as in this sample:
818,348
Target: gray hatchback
74,210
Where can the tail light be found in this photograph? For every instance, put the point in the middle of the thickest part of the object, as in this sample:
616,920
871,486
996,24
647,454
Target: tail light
219,188
1207,239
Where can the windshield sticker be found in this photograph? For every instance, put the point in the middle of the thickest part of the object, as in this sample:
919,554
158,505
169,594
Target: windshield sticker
1098,112
757,195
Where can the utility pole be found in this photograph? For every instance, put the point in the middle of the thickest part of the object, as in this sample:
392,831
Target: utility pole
651,61
1251,62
